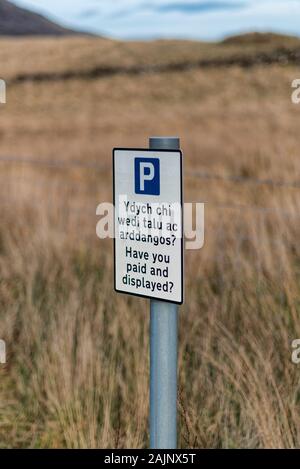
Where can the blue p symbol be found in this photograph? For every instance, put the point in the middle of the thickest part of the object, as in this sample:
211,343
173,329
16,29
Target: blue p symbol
147,176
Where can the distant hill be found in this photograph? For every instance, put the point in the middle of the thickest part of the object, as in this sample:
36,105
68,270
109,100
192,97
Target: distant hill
256,38
16,21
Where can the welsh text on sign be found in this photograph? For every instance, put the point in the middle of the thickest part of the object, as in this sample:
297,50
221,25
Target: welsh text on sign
148,223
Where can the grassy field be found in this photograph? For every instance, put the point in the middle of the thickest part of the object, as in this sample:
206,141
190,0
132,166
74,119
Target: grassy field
78,359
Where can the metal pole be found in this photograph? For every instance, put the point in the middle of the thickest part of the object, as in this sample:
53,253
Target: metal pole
163,354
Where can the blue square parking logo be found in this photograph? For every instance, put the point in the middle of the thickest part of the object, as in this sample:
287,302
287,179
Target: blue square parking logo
147,176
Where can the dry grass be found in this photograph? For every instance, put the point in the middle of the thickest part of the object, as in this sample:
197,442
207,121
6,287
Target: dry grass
77,372
47,55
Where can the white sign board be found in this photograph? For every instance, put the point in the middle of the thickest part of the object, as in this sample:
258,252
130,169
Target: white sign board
148,223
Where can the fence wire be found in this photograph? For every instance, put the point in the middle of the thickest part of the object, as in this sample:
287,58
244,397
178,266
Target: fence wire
195,174
243,179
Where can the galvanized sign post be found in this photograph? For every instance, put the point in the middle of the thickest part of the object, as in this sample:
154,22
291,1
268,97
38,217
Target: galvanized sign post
148,251
163,356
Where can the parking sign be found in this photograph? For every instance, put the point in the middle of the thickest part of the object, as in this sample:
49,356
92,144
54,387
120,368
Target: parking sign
147,176
148,245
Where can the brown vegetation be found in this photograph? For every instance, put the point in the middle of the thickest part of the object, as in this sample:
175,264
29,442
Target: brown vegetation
77,372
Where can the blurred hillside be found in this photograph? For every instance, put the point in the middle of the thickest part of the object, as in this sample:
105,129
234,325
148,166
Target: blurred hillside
85,57
16,21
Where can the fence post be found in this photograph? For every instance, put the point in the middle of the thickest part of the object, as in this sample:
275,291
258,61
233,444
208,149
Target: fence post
163,354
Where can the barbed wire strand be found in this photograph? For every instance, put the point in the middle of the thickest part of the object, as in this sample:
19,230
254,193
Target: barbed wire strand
190,174
243,179
54,164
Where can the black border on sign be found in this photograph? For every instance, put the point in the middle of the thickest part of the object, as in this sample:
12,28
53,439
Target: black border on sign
182,222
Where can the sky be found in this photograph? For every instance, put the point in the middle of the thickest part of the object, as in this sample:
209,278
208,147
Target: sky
190,19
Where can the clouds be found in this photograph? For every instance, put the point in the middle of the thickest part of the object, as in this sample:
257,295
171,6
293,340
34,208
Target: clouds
199,19
164,7
198,7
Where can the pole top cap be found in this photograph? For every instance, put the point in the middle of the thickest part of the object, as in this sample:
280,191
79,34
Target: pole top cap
164,143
